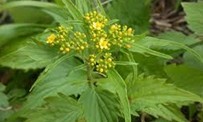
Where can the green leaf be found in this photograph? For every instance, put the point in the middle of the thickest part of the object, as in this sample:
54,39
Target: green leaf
186,77
116,84
57,109
178,37
13,31
125,63
167,112
73,10
100,105
150,65
3,98
60,15
5,109
145,50
112,21
149,94
100,7
134,13
191,61
162,44
27,3
161,120
156,90
194,16
58,77
57,12
24,55
29,15
2,87
5,114
83,6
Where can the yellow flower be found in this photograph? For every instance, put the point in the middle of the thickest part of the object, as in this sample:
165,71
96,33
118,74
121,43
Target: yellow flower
67,49
109,60
51,39
97,25
92,60
101,70
130,30
114,28
104,44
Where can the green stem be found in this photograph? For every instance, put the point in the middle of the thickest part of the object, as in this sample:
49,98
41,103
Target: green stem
89,74
135,71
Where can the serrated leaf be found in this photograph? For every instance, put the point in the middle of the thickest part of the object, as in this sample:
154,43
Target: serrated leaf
148,94
24,55
151,65
57,109
156,90
167,112
58,77
100,105
186,77
194,16
191,61
116,84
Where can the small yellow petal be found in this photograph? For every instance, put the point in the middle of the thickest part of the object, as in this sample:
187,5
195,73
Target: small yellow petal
103,43
67,49
97,25
101,70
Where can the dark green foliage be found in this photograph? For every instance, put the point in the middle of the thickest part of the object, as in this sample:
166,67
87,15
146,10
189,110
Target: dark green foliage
134,13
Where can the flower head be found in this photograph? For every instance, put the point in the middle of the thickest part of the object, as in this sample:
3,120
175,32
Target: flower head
104,44
94,41
95,21
97,25
51,39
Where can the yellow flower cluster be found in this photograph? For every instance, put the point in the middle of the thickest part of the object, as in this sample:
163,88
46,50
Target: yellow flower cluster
51,39
121,36
103,39
105,63
95,21
66,41
96,41
102,64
